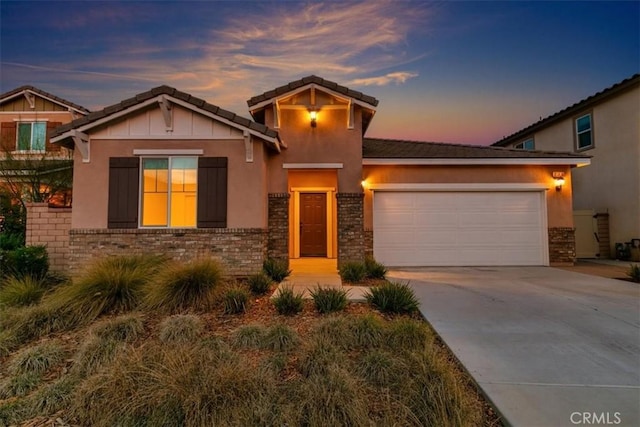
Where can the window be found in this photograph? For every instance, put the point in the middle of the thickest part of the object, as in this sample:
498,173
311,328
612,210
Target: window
169,191
525,145
584,132
31,136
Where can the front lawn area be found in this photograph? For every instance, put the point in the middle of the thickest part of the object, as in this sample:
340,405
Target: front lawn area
146,363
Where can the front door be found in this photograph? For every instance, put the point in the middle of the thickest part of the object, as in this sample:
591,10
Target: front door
313,224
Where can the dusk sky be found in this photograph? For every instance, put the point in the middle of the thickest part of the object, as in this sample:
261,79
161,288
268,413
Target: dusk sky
450,71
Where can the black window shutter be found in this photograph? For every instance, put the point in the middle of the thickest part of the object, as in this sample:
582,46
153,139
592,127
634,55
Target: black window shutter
212,192
124,177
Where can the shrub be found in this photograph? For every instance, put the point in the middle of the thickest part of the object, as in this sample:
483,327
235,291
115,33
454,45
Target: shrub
287,302
181,328
367,331
182,287
123,328
54,396
28,323
235,300
11,241
378,368
634,272
25,261
21,291
319,357
408,335
110,285
260,283
276,269
353,272
249,336
393,297
328,300
280,338
374,269
27,368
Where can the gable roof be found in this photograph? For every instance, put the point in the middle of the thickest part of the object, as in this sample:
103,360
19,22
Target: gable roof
394,151
258,103
305,81
20,91
97,118
570,111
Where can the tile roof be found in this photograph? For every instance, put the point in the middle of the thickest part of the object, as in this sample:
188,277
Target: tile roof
571,110
170,91
375,148
33,89
316,80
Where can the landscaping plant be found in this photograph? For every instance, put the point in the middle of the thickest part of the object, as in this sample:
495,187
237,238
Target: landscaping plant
22,291
235,300
276,269
328,300
393,297
374,269
260,283
353,272
287,301
634,272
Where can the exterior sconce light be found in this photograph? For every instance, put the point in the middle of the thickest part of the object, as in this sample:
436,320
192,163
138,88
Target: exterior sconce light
313,116
559,180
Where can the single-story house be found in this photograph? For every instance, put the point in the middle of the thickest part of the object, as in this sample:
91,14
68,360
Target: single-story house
167,172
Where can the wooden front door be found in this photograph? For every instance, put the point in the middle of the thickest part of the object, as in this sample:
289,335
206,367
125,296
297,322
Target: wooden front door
313,224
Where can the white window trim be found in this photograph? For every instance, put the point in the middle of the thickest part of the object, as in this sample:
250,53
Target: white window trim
577,133
521,145
30,150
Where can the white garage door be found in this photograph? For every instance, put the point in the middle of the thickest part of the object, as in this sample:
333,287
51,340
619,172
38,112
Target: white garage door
459,228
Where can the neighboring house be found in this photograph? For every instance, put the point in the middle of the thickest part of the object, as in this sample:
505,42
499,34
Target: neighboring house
606,195
28,116
170,173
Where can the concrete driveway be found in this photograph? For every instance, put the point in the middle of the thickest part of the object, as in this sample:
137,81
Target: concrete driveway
549,347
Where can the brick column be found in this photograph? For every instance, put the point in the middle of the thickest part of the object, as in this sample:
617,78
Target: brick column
368,243
351,245
50,227
562,245
278,221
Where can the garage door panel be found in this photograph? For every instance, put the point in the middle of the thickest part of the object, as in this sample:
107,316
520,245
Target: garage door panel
459,228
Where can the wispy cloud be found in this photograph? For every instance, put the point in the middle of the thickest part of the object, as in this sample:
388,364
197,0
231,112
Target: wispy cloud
397,77
243,54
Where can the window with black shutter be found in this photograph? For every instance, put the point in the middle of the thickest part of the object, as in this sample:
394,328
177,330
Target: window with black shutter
124,176
212,192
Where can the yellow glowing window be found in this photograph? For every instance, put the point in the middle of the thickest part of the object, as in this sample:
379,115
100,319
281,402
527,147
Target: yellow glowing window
169,187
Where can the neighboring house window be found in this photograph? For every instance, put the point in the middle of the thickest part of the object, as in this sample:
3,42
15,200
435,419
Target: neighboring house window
31,136
169,188
174,192
525,145
584,132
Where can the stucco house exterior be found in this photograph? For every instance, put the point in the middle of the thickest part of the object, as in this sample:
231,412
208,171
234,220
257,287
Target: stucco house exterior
28,116
167,172
606,195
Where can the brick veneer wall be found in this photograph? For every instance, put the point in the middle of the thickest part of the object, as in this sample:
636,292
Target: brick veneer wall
50,226
240,251
350,227
368,242
562,245
278,223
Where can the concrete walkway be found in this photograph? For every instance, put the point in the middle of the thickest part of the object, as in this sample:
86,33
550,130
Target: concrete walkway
612,269
547,346
308,273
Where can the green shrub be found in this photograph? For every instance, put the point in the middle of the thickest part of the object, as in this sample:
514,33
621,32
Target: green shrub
276,269
318,357
53,397
122,328
393,297
21,291
378,368
235,300
353,272
328,300
288,302
27,368
634,272
25,261
33,322
260,283
181,328
374,269
408,335
367,331
280,338
11,241
249,336
182,287
110,285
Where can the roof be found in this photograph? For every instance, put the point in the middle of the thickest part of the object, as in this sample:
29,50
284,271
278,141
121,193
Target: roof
571,110
172,92
312,80
394,149
20,90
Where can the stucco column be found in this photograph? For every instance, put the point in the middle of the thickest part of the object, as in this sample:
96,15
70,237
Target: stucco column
350,227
